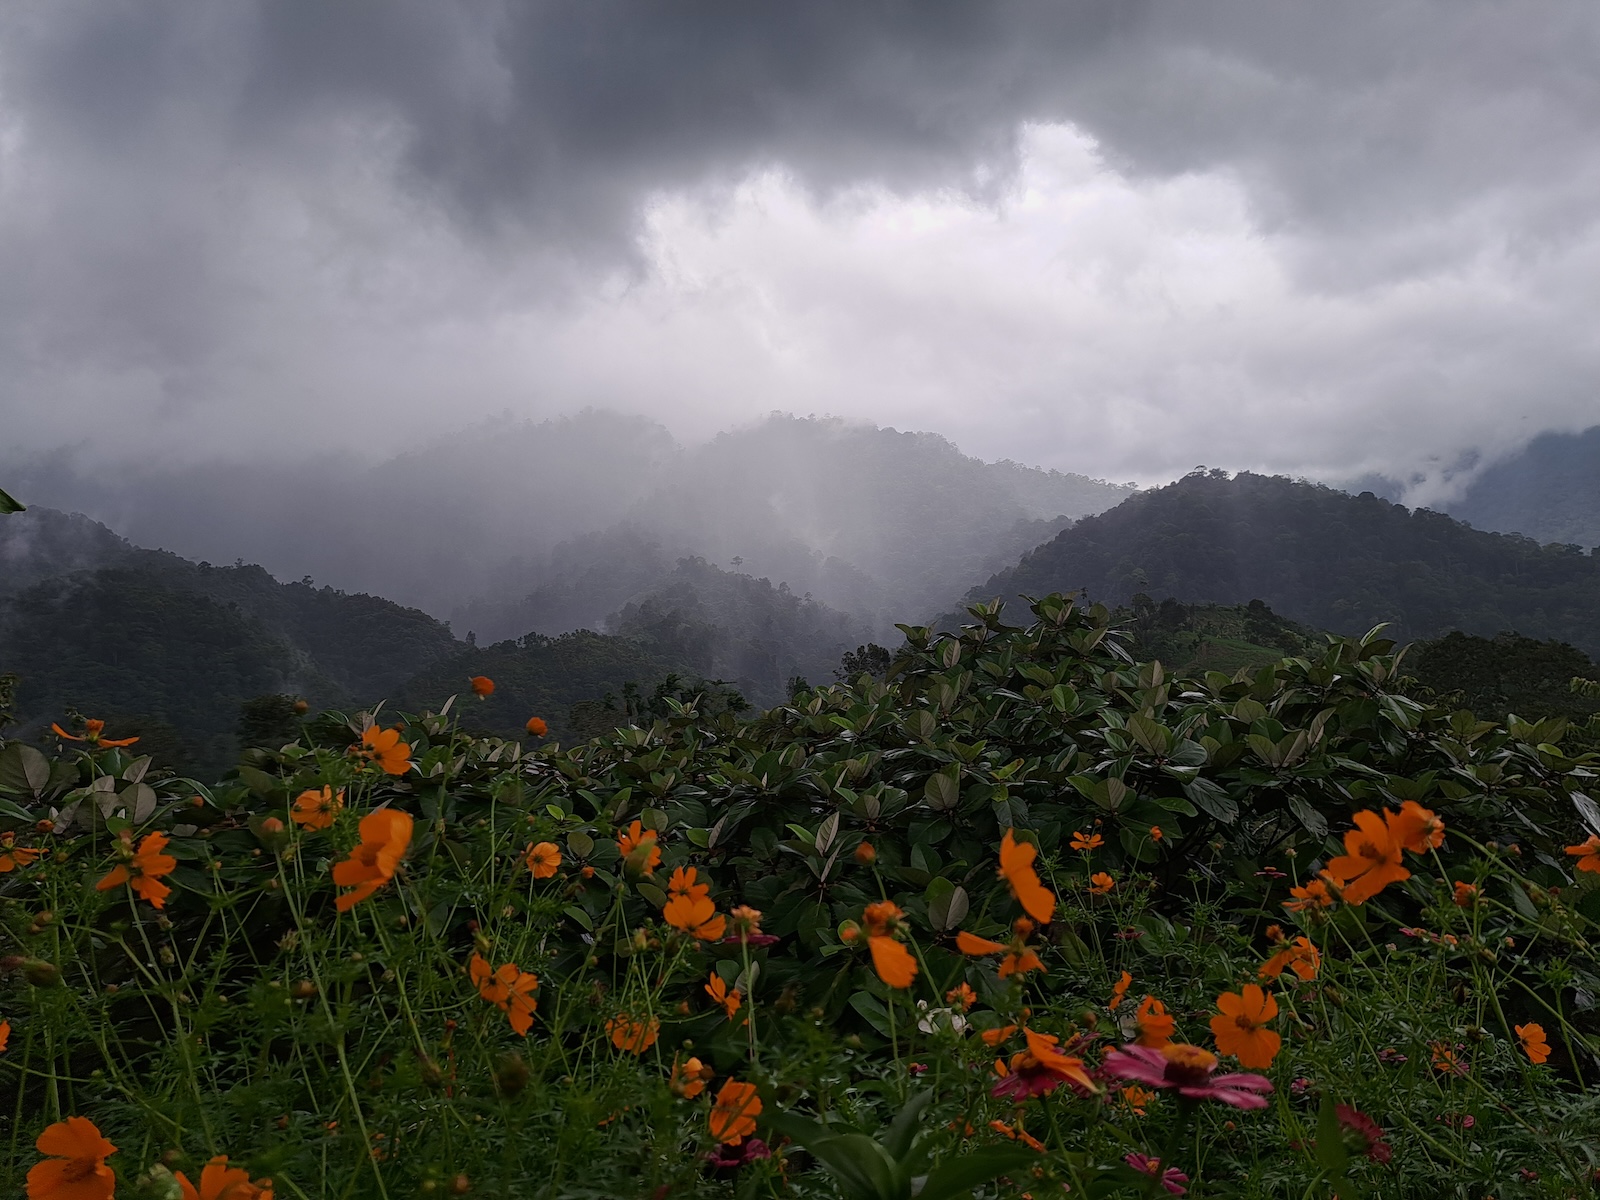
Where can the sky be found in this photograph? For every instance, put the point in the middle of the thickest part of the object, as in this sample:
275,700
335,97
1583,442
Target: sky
1118,237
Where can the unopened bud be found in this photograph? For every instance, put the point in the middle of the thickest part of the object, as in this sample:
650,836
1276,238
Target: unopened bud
849,932
865,854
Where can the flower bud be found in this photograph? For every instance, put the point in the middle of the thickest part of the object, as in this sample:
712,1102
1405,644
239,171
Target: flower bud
849,932
39,972
865,854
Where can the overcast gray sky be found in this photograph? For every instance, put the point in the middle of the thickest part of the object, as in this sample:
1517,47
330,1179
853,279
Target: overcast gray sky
1111,236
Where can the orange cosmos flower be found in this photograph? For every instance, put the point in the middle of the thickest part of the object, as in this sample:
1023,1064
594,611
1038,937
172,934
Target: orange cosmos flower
689,1079
76,1168
1155,833
143,869
695,915
316,809
733,1116
1446,1059
631,1035
544,859
510,989
1155,1026
1100,884
219,1181
1016,868
1019,956
890,959
1587,852
385,838
1415,828
718,990
1534,1046
1085,844
1371,861
993,1037
1240,1027
1466,894
482,685
637,837
1314,896
13,856
537,726
91,735
1017,1133
1299,956
1136,1098
5,1035
384,747
962,996
1120,989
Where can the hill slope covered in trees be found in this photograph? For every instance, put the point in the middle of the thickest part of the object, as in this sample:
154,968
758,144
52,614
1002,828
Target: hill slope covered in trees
1331,560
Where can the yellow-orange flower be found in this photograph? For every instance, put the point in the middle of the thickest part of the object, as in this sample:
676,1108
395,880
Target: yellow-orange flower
1299,956
509,988
1019,956
384,747
1120,989
1466,894
1371,861
962,996
689,906
1101,883
482,685
1240,1026
1415,828
894,964
733,1116
316,809
1136,1098
1533,1041
632,1035
219,1181
143,870
5,1035
544,859
1085,844
993,1037
1156,1027
1314,896
76,1168
1155,833
92,735
385,838
728,998
1016,868
689,1079
1587,852
13,856
537,726
637,837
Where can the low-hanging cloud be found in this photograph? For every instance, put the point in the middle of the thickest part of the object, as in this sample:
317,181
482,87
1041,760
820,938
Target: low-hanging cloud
1118,237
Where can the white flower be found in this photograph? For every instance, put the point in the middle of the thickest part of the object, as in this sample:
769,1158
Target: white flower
936,1020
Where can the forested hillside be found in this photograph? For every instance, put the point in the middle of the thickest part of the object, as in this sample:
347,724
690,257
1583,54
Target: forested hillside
1331,560
1550,490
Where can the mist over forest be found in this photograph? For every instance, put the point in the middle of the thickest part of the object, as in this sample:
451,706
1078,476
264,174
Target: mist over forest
515,526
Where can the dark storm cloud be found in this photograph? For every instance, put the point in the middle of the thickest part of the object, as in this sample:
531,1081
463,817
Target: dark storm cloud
256,223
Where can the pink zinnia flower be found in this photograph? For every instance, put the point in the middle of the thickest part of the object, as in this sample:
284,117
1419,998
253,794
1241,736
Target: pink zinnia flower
1189,1069
1041,1068
1172,1179
1368,1130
